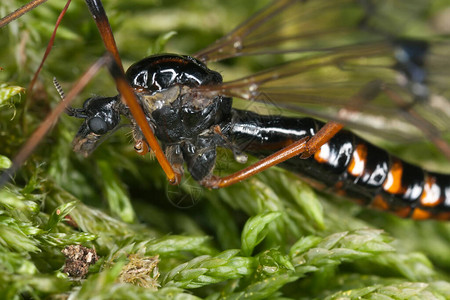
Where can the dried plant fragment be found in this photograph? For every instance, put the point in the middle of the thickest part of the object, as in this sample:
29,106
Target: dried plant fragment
78,260
141,271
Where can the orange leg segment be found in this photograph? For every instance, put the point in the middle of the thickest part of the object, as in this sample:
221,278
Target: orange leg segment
280,156
321,137
116,69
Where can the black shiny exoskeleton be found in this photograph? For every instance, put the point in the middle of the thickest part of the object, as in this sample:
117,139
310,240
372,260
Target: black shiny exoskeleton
101,115
190,126
159,72
184,127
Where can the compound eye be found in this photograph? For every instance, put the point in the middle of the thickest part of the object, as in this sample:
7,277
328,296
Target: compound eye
97,125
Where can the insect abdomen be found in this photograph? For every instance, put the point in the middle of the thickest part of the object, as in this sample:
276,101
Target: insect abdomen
349,166
387,183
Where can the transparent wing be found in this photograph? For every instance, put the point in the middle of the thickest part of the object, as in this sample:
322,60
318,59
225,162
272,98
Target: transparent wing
356,85
287,26
351,68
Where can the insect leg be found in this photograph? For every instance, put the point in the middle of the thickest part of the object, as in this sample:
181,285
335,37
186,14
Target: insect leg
116,69
20,11
131,100
49,121
49,47
101,20
280,156
304,147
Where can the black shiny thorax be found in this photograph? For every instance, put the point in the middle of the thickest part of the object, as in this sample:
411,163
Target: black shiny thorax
163,85
183,120
159,72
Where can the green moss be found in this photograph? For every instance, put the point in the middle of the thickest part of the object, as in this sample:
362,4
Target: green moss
271,236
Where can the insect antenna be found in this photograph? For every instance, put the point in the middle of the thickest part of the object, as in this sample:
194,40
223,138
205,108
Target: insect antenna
69,110
59,88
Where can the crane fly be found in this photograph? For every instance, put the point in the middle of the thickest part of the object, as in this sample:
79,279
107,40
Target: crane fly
352,74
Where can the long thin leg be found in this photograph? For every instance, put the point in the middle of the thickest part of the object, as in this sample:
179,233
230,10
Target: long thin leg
133,104
326,133
20,11
36,74
280,156
101,19
49,121
304,147
49,46
365,95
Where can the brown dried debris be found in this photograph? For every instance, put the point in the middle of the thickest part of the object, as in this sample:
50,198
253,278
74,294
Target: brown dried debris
78,260
141,271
